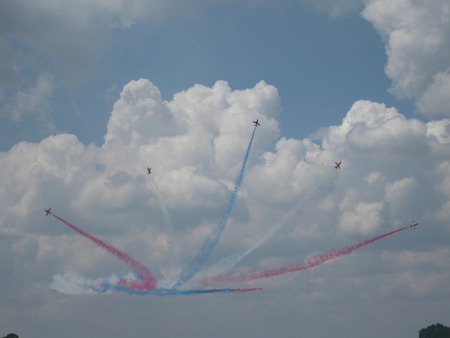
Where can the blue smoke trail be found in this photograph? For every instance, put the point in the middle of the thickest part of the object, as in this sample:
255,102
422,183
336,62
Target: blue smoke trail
232,260
171,292
123,283
175,263
212,240
75,284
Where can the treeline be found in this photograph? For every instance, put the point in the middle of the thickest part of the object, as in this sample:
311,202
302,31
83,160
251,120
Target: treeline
435,331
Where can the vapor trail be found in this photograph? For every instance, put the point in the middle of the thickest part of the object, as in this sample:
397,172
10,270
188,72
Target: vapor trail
308,263
212,240
175,263
232,260
146,281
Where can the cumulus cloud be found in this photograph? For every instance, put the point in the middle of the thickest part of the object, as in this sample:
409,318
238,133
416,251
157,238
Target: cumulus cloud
394,169
363,217
434,100
195,154
417,48
400,194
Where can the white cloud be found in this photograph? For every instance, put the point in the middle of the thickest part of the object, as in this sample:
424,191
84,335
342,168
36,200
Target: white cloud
400,195
418,49
434,100
139,115
362,217
393,169
440,130
195,144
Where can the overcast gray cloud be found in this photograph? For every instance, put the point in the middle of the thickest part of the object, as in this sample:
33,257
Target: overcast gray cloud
53,35
394,170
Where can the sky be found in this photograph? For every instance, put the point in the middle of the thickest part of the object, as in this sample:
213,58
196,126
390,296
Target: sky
94,92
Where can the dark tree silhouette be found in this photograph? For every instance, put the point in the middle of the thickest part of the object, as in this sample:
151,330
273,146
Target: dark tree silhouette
435,331
11,335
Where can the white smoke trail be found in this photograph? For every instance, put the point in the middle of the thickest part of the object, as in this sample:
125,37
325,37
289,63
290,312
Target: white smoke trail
175,262
230,261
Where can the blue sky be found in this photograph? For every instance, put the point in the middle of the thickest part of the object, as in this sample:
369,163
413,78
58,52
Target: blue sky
320,65
93,93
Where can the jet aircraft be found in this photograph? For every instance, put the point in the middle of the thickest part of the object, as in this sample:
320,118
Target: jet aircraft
149,170
256,123
48,211
413,224
337,165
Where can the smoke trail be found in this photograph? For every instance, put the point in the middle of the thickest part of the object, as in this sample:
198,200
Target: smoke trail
232,260
175,263
174,292
212,240
146,281
247,290
75,284
309,262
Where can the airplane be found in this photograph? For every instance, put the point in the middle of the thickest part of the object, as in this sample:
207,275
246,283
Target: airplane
337,165
413,224
256,123
48,211
149,170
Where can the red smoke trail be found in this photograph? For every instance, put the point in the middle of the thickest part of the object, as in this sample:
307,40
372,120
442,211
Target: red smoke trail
310,262
246,290
147,280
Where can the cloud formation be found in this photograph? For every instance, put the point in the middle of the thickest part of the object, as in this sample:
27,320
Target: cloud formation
394,169
292,203
417,48
415,34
